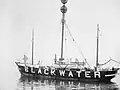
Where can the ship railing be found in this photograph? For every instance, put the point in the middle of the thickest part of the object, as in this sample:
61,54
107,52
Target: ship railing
28,64
69,62
108,69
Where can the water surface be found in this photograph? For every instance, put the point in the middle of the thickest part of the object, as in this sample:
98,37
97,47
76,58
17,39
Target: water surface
25,83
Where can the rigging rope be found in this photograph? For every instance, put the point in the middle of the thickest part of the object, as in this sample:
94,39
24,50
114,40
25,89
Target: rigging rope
109,61
76,44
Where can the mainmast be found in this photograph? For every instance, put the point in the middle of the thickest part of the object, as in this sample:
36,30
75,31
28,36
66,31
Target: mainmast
63,10
32,46
97,46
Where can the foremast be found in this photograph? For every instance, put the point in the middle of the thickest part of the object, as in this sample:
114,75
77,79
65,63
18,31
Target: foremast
63,10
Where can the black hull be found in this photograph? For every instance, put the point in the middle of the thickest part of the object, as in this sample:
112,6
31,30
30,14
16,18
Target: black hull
68,79
88,75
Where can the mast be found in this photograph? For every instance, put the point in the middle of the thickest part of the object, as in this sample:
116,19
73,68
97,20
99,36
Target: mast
32,46
97,49
63,10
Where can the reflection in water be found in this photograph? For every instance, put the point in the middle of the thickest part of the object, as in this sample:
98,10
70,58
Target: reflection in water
26,83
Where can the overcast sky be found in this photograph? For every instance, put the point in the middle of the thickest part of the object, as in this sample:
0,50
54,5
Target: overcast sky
19,17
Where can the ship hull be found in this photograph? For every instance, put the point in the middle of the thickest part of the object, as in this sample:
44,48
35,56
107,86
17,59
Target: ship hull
67,74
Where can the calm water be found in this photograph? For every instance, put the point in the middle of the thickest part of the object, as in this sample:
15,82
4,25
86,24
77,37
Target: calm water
30,84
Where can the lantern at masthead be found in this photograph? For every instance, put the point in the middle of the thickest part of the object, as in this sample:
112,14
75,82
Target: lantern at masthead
63,9
64,1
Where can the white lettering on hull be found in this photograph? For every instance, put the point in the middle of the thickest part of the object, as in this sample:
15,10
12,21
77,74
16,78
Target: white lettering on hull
97,74
53,72
70,74
26,68
46,71
87,74
62,72
32,71
78,72
39,71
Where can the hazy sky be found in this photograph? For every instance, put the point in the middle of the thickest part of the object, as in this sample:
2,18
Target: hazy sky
19,17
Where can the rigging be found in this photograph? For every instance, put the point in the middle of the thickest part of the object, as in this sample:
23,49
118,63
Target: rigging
76,44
